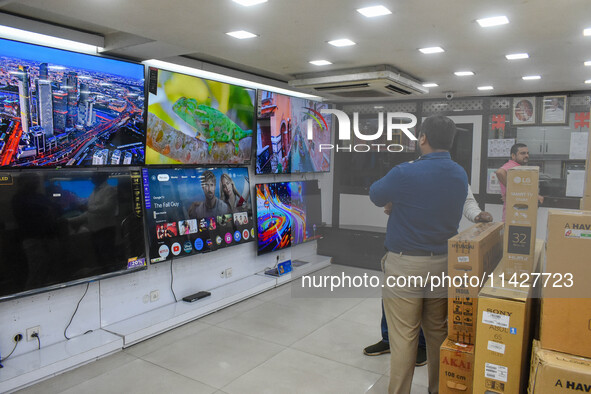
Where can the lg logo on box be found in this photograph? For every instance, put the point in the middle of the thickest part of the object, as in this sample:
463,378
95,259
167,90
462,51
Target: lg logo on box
524,181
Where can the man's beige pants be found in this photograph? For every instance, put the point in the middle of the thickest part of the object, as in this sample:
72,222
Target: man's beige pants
408,306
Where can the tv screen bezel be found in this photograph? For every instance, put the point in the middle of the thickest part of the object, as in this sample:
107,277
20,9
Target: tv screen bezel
144,115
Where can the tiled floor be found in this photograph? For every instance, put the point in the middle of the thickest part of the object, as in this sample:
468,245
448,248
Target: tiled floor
276,342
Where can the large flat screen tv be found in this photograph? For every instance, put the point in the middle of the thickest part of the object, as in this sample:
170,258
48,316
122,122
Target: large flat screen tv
61,108
198,121
288,213
283,146
196,210
61,227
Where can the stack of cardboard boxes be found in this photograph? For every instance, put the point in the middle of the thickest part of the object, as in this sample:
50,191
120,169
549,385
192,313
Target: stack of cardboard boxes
504,304
472,254
562,363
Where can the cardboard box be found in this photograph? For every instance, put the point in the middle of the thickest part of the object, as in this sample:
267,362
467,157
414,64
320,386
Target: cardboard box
456,369
521,216
473,252
553,372
568,252
565,325
504,332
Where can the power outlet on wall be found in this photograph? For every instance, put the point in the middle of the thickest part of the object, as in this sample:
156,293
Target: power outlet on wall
154,295
228,272
31,331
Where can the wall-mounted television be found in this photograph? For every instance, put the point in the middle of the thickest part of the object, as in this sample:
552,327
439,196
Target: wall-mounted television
198,121
283,146
288,213
61,108
61,227
196,210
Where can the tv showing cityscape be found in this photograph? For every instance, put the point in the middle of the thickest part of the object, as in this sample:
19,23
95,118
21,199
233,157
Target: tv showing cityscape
61,108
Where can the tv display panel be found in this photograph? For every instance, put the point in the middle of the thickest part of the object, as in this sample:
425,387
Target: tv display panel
66,226
288,213
198,121
61,108
196,210
283,146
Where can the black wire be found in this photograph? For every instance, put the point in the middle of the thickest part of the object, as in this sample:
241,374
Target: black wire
38,341
172,281
13,349
74,314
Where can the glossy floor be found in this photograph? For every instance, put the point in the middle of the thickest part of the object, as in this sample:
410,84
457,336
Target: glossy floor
276,342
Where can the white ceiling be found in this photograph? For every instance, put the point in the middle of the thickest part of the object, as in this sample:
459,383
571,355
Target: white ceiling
293,32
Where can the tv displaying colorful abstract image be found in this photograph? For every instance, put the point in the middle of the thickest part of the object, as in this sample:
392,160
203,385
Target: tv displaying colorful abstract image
61,108
196,208
288,213
273,216
283,146
198,121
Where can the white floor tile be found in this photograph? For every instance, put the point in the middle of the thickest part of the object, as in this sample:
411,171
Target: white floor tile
214,355
292,371
79,375
380,387
140,377
166,339
276,323
343,341
368,312
232,311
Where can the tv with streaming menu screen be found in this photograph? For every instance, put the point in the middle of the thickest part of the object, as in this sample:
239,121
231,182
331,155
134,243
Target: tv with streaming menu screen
196,210
288,213
283,146
193,120
61,227
62,108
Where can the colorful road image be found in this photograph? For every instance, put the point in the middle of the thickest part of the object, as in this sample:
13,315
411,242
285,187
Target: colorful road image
273,216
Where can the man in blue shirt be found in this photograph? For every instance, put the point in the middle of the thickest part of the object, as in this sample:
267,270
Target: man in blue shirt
427,198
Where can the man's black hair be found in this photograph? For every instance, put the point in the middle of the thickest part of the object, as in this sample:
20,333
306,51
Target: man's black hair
515,148
440,131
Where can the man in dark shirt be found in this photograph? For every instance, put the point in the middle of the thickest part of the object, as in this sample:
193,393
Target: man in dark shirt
427,198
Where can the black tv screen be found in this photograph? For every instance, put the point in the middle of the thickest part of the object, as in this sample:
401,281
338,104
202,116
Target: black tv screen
196,210
65,226
288,213
193,120
283,146
62,108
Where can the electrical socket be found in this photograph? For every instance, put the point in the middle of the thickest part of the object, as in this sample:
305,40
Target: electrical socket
31,331
223,274
154,295
18,337
228,272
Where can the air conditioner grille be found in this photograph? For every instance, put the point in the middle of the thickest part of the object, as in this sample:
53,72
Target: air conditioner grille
340,87
398,89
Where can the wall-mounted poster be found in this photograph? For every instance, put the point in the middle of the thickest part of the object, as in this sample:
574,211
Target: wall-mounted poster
554,110
523,111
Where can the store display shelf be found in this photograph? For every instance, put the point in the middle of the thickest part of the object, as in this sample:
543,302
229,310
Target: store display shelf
146,325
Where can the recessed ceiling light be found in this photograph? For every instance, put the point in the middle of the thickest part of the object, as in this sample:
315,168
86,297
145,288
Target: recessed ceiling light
587,32
320,62
517,56
530,77
485,87
430,85
370,12
493,21
378,107
241,34
431,50
464,73
343,42
248,3
587,63
588,81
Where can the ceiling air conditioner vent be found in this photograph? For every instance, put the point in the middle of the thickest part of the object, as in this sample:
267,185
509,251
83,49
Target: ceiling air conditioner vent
377,81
